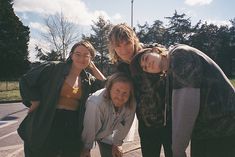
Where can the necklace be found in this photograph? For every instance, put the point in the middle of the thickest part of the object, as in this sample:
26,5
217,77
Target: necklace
76,86
75,90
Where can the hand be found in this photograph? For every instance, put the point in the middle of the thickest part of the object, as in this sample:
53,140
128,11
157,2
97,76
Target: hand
91,65
34,106
85,153
117,151
95,71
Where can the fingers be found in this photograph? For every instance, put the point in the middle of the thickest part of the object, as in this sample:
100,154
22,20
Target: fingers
34,106
117,151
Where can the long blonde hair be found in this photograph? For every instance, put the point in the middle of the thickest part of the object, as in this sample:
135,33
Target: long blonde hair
120,77
121,33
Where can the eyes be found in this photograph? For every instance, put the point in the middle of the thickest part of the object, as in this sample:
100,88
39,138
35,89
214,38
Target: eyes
80,55
144,62
123,94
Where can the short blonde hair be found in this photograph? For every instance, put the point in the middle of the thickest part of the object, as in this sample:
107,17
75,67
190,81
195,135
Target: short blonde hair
121,33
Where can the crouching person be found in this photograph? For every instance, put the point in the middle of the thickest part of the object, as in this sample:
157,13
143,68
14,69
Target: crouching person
108,116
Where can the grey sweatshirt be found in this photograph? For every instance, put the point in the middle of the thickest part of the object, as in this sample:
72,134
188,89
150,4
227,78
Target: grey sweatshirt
102,123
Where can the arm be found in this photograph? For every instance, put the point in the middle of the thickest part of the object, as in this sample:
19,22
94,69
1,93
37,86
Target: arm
96,72
92,123
124,127
187,73
31,82
185,108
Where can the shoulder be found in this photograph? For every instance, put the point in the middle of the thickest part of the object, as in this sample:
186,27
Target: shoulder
98,96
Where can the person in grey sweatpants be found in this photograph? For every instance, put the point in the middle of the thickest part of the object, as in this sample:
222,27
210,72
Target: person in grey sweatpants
201,96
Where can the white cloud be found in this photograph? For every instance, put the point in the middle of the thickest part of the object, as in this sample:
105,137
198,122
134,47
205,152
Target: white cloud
32,44
75,10
117,17
198,2
38,26
218,22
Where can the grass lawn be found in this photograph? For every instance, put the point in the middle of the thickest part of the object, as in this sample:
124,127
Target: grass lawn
11,95
233,81
9,91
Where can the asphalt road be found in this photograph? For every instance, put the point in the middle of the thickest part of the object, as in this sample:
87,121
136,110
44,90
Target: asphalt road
11,145
11,115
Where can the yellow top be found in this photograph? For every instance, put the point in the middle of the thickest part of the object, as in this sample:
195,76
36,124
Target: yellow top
69,97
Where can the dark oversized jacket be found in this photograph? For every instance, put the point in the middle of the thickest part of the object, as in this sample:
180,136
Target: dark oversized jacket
43,84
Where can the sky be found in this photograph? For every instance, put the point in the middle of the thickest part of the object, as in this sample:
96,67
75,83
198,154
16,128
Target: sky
83,12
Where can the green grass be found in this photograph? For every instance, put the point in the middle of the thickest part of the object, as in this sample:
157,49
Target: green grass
9,85
233,81
9,91
10,95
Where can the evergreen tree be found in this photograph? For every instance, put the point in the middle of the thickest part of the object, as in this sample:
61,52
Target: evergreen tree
14,37
178,30
151,34
99,40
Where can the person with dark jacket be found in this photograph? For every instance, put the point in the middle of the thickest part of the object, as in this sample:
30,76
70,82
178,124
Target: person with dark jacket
55,93
153,117
201,96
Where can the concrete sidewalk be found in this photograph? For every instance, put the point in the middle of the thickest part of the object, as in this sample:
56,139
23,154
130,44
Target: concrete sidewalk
131,148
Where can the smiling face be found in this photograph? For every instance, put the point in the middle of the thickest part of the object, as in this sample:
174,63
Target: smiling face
120,93
125,50
151,62
81,57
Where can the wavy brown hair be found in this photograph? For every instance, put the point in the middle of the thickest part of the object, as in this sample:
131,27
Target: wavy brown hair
86,44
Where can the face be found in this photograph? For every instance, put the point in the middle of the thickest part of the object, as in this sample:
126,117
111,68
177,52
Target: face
151,62
81,57
125,50
120,93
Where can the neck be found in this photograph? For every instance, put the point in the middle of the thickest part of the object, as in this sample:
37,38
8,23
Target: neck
75,71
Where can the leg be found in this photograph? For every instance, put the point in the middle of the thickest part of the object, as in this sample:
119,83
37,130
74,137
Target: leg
150,141
167,141
213,147
105,149
70,143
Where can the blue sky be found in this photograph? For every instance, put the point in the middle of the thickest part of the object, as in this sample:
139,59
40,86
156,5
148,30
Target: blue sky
82,12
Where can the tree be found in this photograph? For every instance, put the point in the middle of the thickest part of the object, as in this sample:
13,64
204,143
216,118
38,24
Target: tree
178,30
142,33
99,40
60,35
151,34
14,37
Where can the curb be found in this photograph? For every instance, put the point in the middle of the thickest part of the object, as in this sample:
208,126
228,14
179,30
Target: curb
11,101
